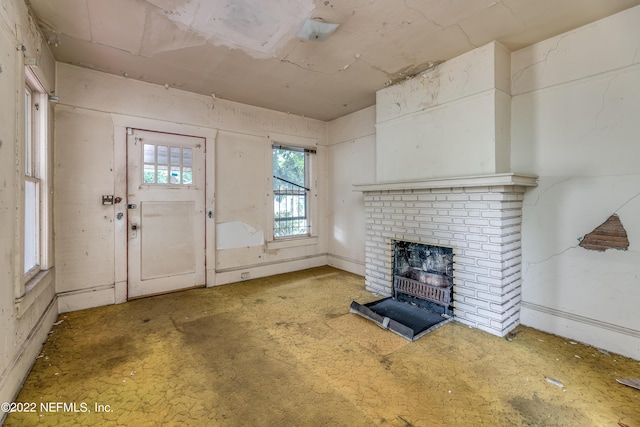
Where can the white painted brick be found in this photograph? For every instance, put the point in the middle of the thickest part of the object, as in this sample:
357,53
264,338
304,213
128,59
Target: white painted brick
442,235
476,254
491,315
477,238
461,260
476,270
475,302
480,320
489,281
476,189
463,276
473,284
477,221
496,298
457,197
459,290
461,213
490,264
467,308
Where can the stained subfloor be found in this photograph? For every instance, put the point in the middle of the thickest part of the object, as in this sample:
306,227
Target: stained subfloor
284,351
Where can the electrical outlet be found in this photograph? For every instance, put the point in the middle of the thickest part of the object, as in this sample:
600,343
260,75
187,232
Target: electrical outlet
245,275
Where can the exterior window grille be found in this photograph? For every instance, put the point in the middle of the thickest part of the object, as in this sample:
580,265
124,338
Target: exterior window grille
291,191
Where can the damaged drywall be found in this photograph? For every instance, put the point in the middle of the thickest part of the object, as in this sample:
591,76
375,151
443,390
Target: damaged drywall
608,235
256,27
237,234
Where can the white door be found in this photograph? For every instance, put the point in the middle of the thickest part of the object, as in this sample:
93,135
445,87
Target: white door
165,212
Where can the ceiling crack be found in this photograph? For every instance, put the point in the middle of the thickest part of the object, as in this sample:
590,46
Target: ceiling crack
305,68
524,24
466,35
431,21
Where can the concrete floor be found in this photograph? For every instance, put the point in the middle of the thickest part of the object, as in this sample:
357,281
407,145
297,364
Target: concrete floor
284,351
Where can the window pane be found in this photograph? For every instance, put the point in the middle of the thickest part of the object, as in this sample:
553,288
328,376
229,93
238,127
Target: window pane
175,155
28,144
149,174
163,175
163,155
187,156
187,176
149,153
175,175
290,193
30,225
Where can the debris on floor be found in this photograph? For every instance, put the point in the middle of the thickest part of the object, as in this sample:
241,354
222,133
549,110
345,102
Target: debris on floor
554,382
631,382
510,336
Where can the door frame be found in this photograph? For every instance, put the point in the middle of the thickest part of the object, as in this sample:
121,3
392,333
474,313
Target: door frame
121,123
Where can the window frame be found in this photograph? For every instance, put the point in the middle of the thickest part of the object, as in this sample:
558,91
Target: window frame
308,188
35,171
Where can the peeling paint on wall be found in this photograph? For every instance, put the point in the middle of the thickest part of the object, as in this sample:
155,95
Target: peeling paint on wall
237,234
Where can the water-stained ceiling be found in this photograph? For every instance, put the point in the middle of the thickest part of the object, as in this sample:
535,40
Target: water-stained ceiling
247,50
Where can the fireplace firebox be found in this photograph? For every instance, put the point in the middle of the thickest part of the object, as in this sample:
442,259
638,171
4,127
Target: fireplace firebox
422,291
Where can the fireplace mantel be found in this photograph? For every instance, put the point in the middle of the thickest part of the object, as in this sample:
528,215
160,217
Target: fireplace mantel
494,180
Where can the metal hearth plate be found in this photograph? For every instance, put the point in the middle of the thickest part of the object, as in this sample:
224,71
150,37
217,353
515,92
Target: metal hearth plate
402,318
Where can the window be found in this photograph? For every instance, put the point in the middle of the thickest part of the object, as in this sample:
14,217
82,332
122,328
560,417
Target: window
167,165
35,188
291,188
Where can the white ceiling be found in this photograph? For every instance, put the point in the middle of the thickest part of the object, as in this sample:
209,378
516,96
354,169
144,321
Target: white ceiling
247,50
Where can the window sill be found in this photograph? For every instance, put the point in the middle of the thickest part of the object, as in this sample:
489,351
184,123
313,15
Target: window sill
35,286
292,242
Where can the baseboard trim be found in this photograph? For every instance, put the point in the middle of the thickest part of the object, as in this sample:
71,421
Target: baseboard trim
86,298
233,275
614,338
346,264
15,374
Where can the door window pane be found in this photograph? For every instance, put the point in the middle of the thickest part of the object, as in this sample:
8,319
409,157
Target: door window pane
175,155
149,174
163,155
175,175
187,156
163,175
167,165
187,176
149,153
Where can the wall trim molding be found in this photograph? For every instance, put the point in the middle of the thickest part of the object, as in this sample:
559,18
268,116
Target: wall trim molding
581,319
14,375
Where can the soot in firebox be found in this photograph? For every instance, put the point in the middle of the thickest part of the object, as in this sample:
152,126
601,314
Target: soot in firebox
422,291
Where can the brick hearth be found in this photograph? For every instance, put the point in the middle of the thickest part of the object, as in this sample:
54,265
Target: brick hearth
479,217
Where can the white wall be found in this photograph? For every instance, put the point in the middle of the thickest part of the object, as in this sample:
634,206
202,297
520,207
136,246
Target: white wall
352,160
25,319
575,123
92,116
451,120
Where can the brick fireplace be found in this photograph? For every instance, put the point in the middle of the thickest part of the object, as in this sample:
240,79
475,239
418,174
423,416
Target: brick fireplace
479,217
